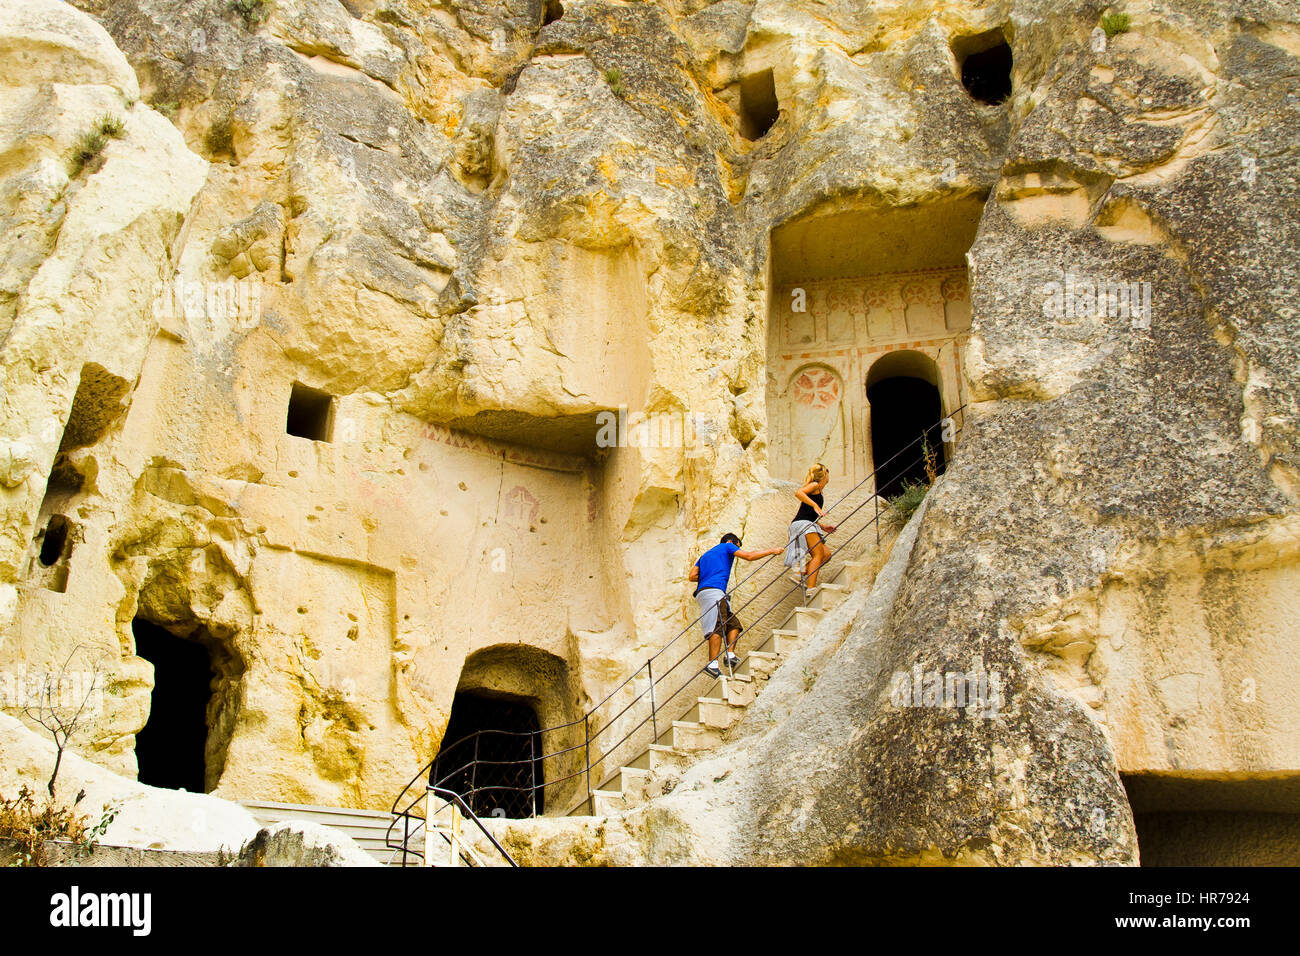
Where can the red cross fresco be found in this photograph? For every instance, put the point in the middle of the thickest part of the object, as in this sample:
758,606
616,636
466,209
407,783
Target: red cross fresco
817,387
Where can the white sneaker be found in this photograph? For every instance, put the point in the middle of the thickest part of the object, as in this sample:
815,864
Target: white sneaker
712,669
733,661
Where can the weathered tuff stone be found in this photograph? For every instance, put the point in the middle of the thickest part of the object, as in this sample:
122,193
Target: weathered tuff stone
300,844
478,233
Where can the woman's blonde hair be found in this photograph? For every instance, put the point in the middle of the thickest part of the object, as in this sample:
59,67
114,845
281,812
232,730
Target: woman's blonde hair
817,472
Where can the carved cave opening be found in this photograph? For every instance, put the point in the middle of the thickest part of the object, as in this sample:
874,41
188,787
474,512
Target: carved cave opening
100,400
493,755
55,542
192,708
1209,821
759,107
170,750
552,10
984,63
851,290
311,413
902,390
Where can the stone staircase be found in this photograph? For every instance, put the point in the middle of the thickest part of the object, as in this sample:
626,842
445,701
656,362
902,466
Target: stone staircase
724,700
781,626
646,747
774,617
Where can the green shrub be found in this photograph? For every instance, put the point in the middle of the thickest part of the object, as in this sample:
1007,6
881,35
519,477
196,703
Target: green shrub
90,146
253,11
31,823
1115,23
905,504
615,80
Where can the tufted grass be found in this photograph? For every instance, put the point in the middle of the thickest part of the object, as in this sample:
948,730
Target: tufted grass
90,146
1115,23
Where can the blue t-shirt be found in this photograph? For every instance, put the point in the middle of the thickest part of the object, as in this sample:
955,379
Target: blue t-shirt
715,566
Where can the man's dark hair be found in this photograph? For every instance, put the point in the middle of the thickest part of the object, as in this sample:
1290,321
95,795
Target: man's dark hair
730,537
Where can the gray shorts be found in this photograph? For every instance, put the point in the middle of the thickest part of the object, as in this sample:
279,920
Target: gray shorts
717,617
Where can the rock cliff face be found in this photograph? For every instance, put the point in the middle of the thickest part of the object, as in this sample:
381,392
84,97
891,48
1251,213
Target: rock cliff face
305,362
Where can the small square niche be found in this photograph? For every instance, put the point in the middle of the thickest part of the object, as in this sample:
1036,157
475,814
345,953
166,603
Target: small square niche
311,413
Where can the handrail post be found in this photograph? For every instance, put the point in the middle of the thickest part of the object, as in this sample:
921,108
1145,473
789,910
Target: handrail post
532,771
455,834
406,832
586,734
654,720
875,496
473,767
428,829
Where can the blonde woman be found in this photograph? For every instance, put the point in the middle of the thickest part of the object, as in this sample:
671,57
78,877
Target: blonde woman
809,529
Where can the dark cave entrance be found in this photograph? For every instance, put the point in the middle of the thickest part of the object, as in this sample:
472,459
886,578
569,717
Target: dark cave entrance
171,750
56,542
1200,820
984,62
759,107
904,410
493,755
99,402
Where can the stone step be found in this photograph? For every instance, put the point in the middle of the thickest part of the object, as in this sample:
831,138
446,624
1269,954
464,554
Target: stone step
665,757
367,828
738,690
827,596
635,782
691,736
782,642
624,790
609,801
718,713
763,664
806,620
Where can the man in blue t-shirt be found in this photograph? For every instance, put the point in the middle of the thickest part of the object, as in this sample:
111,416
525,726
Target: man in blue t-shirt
712,572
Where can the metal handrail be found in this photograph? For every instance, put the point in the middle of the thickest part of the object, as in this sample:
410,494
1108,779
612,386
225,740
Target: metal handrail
451,796
589,762
456,798
655,679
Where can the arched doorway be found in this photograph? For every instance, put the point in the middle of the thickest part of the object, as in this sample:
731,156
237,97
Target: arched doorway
515,733
494,755
171,749
906,406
